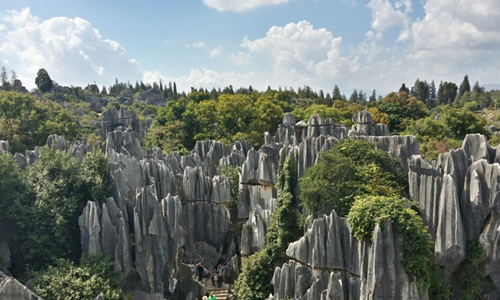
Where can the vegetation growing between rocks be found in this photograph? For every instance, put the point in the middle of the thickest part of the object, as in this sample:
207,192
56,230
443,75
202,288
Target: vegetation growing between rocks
471,280
348,169
257,270
417,248
57,187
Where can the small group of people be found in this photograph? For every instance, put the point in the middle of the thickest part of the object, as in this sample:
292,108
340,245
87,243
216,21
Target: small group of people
209,296
216,275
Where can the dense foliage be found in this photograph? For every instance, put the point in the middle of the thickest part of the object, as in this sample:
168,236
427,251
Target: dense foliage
26,122
92,277
254,281
350,168
58,187
471,280
445,130
12,187
43,81
418,249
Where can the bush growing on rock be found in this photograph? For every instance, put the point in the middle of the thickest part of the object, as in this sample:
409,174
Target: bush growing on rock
418,249
350,168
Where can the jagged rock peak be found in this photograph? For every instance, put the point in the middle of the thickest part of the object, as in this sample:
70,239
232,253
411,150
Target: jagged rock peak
363,117
288,119
11,289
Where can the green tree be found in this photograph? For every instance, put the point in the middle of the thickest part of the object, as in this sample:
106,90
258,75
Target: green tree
26,122
12,188
92,277
43,81
400,108
464,86
350,168
60,187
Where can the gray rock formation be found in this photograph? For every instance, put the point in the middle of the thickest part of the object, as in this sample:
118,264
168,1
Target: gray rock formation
11,289
123,119
329,263
125,97
4,146
364,126
458,195
152,97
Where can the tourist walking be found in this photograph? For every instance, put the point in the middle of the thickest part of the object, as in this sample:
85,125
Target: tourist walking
220,271
213,275
212,297
199,267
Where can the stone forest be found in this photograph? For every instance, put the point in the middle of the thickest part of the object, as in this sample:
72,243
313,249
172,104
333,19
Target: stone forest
116,196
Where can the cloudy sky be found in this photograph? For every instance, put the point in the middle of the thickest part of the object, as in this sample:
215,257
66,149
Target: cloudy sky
363,44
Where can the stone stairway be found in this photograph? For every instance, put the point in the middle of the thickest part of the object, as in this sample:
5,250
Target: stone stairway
220,293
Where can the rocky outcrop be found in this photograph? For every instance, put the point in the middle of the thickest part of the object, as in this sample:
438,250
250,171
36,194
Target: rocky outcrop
143,226
364,126
458,195
11,289
125,97
152,96
329,263
122,119
4,147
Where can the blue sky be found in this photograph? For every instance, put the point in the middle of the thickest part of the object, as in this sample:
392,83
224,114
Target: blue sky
370,44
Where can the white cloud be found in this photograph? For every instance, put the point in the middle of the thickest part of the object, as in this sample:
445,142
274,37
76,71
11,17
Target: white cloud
300,48
240,58
2,27
199,45
386,15
459,35
240,5
168,42
210,78
216,52
71,50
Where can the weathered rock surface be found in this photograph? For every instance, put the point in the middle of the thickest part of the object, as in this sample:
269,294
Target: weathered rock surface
123,119
152,96
329,263
11,289
458,195
364,126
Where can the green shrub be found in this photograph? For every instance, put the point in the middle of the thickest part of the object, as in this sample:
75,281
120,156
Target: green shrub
92,277
417,248
255,277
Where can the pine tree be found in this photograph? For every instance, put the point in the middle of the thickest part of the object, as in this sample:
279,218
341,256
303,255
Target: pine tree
336,95
464,86
432,91
373,97
354,97
403,88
